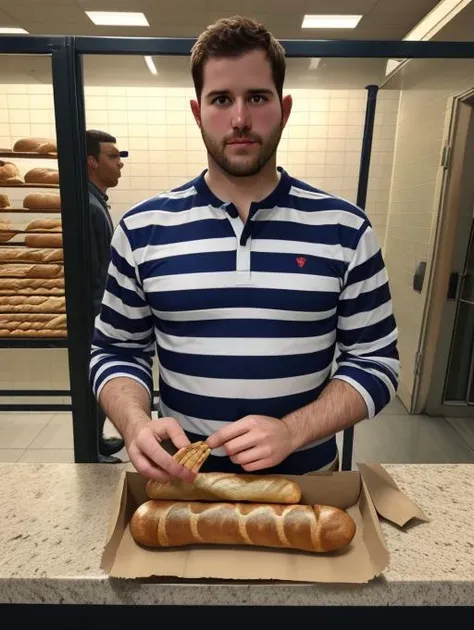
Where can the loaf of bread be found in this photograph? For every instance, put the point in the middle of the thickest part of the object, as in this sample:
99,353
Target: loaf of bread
31,145
32,304
44,225
9,174
31,286
4,201
6,231
24,254
217,486
42,176
31,271
47,147
313,528
32,325
44,240
42,201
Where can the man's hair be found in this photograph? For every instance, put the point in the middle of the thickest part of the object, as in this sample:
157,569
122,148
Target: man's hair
232,37
93,140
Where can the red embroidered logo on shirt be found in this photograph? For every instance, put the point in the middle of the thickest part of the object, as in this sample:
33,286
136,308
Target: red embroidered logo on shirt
301,260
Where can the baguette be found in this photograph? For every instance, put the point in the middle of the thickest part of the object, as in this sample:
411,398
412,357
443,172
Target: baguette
31,271
40,225
32,325
32,304
22,254
44,240
313,528
31,286
227,487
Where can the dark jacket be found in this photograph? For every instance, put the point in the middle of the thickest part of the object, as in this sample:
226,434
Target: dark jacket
101,235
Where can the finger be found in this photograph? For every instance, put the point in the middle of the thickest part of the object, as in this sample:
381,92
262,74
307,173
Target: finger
259,464
146,468
170,428
158,456
249,456
231,431
242,443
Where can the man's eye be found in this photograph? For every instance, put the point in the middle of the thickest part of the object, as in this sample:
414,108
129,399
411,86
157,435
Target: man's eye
221,100
257,99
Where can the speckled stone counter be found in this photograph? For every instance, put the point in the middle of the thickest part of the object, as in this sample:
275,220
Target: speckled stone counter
54,518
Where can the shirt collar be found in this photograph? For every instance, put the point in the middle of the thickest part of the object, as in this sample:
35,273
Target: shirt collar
98,193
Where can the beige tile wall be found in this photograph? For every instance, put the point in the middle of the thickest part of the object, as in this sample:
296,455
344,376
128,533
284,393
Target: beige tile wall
423,124
321,144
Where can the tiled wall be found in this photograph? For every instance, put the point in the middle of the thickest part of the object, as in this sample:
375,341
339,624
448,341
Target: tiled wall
321,144
425,113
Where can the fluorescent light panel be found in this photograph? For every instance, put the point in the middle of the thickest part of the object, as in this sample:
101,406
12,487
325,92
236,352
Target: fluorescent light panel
117,18
436,19
12,30
331,21
151,65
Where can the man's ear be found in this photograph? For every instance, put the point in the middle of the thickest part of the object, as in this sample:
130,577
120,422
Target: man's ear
196,109
91,162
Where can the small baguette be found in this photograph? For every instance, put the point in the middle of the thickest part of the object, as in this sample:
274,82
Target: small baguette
32,304
44,240
23,254
47,225
42,201
313,528
31,286
227,487
31,271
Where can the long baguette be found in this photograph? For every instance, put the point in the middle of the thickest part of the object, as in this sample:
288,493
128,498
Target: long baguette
31,286
227,487
313,528
32,304
31,271
24,254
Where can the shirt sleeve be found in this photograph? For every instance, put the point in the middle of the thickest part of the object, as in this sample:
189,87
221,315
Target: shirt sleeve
367,334
123,340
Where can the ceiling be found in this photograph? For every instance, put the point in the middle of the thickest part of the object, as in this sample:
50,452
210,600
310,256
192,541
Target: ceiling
383,19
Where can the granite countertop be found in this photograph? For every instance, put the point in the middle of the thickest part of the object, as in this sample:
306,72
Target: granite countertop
54,519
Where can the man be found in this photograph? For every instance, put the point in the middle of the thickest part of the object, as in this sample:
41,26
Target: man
248,281
104,166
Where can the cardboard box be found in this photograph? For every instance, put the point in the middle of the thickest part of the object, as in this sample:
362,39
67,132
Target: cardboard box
366,494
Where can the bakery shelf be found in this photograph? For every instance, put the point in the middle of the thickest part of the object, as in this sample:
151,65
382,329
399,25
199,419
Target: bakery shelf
29,210
28,155
6,185
32,342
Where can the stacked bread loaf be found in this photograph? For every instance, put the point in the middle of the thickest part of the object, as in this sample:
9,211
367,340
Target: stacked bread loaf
32,302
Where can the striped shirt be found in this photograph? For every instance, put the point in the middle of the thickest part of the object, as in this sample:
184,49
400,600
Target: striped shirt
250,318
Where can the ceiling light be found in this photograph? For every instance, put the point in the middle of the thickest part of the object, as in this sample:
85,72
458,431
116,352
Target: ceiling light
331,21
436,19
117,18
151,65
12,30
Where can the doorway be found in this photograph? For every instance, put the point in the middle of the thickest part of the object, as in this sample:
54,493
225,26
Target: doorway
444,375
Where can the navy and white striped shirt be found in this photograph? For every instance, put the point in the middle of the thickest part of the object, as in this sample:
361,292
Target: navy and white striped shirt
247,318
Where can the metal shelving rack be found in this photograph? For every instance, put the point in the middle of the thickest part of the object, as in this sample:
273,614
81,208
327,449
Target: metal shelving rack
31,342
66,53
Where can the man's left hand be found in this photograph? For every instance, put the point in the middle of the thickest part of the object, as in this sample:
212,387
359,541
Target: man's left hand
254,442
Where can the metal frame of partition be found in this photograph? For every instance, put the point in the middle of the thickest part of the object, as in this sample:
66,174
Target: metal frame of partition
68,89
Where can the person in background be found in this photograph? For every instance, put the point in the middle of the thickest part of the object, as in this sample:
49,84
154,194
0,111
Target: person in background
251,284
104,165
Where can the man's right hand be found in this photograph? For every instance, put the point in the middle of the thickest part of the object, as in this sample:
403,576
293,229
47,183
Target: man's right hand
149,457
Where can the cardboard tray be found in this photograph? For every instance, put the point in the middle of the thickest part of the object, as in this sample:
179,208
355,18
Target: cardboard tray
366,494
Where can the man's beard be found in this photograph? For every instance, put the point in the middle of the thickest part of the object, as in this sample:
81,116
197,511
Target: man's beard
246,168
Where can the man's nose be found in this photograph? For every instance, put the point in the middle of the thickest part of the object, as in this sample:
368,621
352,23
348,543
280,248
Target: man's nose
241,116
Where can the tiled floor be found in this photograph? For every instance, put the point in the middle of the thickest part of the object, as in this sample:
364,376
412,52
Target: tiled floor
393,437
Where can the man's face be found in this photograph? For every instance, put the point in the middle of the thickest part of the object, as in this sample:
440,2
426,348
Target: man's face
107,168
240,114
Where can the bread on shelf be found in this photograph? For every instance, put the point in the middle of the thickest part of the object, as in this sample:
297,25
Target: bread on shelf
42,176
44,225
35,145
4,201
31,271
24,254
53,240
32,304
33,325
9,174
31,286
42,201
